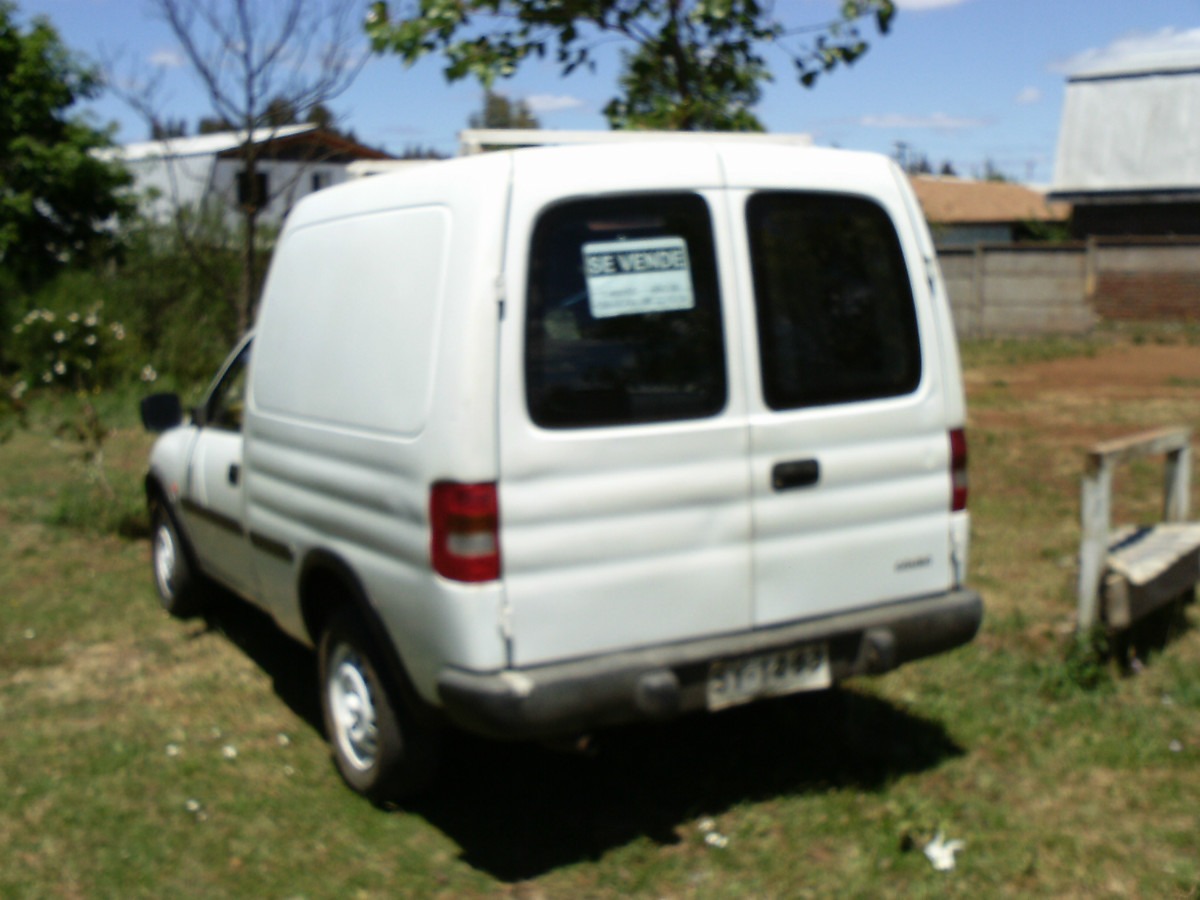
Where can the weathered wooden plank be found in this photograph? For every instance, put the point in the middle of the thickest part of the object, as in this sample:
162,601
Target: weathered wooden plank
1127,574
1150,552
1095,503
1144,443
1177,484
1125,601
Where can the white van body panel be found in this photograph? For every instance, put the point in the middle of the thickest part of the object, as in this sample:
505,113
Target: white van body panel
341,458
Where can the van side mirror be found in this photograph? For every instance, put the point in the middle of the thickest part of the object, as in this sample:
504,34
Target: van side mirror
161,412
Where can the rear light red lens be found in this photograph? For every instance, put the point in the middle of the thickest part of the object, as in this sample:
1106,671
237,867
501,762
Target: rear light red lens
465,525
958,470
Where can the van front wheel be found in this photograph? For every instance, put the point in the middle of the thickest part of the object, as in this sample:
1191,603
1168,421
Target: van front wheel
180,588
381,751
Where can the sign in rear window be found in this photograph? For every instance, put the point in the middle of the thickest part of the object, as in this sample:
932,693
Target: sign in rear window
627,278
623,316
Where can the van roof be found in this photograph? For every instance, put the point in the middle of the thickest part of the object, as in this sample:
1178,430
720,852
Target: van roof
634,166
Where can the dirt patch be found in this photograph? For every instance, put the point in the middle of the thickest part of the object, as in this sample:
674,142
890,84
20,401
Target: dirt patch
1115,371
1079,400
1030,425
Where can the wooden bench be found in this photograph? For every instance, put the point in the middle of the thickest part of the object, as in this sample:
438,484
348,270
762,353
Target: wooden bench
1129,573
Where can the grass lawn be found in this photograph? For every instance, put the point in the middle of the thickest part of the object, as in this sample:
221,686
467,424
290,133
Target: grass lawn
142,756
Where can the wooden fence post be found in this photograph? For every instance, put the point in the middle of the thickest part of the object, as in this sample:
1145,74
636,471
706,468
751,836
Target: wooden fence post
1096,510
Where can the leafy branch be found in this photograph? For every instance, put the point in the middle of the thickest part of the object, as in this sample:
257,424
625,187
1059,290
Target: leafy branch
692,64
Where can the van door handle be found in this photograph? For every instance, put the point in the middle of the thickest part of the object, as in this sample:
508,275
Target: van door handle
235,474
795,474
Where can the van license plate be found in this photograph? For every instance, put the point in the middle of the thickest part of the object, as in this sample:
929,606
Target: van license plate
734,681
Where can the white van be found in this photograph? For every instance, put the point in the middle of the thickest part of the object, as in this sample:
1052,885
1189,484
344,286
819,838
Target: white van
541,441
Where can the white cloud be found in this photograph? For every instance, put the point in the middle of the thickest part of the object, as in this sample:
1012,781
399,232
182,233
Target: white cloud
932,122
1164,46
549,103
921,5
1029,96
166,59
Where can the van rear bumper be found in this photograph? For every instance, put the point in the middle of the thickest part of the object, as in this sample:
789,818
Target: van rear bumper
663,681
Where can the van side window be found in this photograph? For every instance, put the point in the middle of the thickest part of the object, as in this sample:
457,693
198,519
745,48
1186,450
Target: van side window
227,402
624,321
836,321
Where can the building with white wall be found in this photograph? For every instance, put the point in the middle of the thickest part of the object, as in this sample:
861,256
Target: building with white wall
210,169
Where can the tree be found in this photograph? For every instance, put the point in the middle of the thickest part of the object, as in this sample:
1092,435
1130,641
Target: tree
213,125
168,129
322,116
500,112
416,151
991,172
260,63
694,63
279,112
57,193
720,98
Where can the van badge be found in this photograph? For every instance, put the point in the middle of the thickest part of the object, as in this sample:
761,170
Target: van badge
919,562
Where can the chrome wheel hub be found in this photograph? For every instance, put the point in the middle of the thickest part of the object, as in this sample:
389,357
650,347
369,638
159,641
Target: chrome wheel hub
164,560
353,709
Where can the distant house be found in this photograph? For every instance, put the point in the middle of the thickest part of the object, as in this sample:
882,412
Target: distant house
961,212
292,161
1129,147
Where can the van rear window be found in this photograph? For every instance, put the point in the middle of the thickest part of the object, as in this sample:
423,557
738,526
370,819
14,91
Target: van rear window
836,321
623,318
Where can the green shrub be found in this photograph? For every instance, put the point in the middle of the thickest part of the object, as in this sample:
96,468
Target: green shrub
114,505
77,347
177,288
1085,665
174,292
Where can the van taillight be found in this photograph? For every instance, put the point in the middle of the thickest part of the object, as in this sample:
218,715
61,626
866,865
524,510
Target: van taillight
958,470
465,523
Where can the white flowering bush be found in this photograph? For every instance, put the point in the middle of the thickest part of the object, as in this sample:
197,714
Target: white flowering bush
78,350
71,356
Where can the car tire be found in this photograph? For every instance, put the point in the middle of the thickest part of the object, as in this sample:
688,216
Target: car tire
180,586
384,749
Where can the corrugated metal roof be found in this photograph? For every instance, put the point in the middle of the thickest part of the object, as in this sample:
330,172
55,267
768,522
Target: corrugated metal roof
1175,59
1131,127
957,201
207,144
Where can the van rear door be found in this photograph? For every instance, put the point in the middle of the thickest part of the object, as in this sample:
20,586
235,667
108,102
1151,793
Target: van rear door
624,447
850,450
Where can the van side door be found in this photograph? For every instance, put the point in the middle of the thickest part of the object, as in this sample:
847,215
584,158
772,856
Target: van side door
213,501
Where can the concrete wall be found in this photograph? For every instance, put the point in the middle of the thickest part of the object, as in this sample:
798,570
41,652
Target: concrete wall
1148,280
999,290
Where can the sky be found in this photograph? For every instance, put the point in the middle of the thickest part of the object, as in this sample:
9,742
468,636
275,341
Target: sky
972,83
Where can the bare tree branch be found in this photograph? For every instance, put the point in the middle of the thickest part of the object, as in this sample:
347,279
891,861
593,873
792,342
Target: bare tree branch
250,56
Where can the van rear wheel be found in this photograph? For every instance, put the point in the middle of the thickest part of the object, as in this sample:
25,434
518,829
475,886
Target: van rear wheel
381,749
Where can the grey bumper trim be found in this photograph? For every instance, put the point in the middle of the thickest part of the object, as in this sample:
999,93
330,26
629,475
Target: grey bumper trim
662,681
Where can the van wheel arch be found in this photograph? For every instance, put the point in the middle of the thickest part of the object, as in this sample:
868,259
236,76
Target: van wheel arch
327,584
349,637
